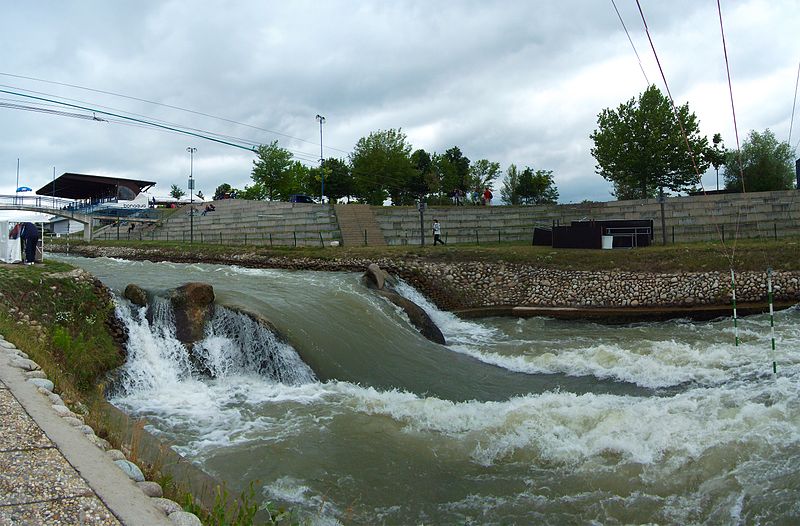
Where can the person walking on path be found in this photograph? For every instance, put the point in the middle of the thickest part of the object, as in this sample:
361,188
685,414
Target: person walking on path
437,232
30,235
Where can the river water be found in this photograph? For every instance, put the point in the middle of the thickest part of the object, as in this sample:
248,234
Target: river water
516,421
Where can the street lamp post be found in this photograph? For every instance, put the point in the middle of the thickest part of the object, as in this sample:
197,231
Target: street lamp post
321,120
191,193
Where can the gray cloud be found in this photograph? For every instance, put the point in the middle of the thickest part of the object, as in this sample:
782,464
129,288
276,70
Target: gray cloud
514,82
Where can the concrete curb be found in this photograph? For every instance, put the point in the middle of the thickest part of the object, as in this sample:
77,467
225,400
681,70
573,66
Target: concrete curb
117,491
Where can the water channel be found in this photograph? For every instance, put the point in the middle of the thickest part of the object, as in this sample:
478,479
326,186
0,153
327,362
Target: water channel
515,421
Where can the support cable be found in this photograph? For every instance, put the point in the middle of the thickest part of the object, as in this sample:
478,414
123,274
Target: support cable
641,67
794,104
730,90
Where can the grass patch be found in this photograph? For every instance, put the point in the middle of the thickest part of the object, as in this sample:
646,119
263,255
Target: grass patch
745,254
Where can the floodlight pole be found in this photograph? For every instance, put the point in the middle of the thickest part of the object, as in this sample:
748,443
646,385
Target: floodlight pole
321,120
191,193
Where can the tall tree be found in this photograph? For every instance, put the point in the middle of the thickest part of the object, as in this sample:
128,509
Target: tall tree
381,166
176,192
639,147
222,191
455,170
422,182
338,179
716,154
483,174
271,172
766,164
509,191
537,187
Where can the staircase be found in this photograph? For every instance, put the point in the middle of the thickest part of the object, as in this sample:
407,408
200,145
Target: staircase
358,225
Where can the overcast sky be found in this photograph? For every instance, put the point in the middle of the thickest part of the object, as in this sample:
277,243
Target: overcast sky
514,82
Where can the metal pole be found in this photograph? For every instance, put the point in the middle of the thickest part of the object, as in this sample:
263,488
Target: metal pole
321,120
191,193
16,189
771,320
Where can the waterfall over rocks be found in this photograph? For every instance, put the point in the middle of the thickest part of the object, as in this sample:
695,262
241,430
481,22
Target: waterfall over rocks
235,343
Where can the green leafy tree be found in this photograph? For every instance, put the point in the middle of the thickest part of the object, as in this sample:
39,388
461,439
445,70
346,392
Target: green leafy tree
483,174
537,187
271,172
716,154
424,180
766,164
338,180
639,147
381,166
454,170
176,192
223,190
509,190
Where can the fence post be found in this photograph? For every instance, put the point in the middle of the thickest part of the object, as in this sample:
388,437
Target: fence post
477,240
722,230
321,242
201,238
365,237
295,238
245,238
673,234
445,238
270,240
775,230
498,237
220,237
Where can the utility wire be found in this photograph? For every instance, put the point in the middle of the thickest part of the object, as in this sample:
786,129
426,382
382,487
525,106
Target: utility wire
794,103
730,90
166,106
641,67
153,119
730,256
49,111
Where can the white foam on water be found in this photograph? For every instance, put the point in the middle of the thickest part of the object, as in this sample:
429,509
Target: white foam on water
455,330
645,362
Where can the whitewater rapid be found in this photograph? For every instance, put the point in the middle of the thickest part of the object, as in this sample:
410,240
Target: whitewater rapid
717,442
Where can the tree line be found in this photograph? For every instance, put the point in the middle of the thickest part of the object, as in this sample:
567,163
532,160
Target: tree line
644,147
381,167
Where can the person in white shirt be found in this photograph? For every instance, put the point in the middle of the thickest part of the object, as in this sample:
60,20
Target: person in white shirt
437,232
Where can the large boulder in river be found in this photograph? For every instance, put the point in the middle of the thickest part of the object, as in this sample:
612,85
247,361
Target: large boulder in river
419,318
193,304
136,295
377,278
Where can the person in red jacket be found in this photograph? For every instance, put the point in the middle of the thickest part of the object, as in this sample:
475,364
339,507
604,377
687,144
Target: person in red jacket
487,197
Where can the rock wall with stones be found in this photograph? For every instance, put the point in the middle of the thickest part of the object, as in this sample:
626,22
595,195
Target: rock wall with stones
471,285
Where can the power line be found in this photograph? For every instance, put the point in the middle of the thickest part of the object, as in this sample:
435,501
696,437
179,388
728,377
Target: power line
153,119
201,136
49,111
130,97
730,90
641,67
683,131
794,103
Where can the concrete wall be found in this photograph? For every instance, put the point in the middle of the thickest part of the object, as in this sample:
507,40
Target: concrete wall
697,218
247,222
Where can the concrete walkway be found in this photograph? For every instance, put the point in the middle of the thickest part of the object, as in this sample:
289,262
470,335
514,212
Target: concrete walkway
50,473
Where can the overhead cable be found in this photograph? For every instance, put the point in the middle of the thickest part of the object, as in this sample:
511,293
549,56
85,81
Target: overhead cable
130,97
730,90
641,67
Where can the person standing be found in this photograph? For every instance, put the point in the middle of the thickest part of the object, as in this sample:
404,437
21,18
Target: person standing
487,196
30,235
437,232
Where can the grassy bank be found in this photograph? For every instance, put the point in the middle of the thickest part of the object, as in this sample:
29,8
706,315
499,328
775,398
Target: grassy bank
746,254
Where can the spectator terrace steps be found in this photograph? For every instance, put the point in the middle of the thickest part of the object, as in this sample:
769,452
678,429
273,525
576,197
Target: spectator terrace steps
359,225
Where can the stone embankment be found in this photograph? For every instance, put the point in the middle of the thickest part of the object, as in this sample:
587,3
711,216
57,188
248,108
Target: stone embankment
481,285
